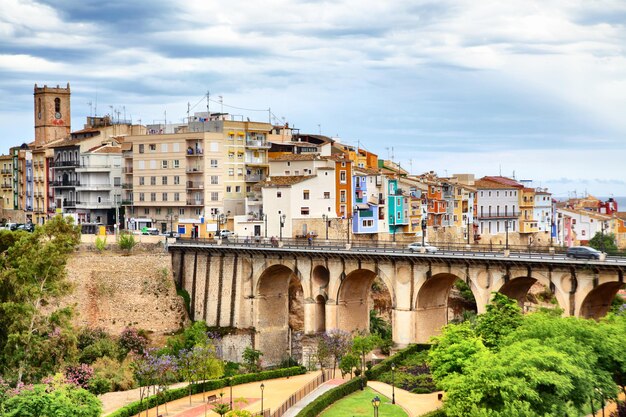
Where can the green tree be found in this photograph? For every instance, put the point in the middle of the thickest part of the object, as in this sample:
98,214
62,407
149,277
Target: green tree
363,344
221,408
239,413
348,363
379,326
503,315
36,341
604,242
454,351
252,359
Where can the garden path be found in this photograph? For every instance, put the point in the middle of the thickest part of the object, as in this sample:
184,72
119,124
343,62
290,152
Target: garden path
414,404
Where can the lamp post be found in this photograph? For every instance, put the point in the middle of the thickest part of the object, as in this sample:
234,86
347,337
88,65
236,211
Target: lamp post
282,218
325,218
230,386
376,404
468,228
262,388
424,225
265,220
220,220
349,218
393,385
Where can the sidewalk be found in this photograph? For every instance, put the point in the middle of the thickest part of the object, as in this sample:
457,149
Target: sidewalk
326,386
244,396
414,404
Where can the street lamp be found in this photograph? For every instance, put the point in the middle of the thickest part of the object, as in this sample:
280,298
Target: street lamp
468,229
393,385
220,220
262,388
325,218
424,225
265,219
349,218
230,385
282,224
376,404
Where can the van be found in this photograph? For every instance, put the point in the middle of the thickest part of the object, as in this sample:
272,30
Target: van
150,231
584,252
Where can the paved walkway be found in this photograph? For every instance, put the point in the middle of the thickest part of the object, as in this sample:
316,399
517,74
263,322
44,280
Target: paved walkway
414,404
326,386
245,396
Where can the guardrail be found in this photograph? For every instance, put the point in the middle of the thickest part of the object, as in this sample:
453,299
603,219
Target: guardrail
301,393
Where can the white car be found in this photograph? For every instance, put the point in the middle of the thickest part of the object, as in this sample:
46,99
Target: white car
417,247
225,233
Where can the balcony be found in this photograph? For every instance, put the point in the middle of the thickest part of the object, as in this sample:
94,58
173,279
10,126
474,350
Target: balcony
496,216
195,202
94,187
127,185
94,168
195,170
127,202
65,164
192,185
255,161
198,152
127,170
258,144
255,177
59,184
6,171
70,203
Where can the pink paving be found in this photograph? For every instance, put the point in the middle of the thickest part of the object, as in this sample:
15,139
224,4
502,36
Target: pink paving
198,411
335,381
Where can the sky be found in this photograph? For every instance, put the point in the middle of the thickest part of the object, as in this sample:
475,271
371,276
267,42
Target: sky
534,89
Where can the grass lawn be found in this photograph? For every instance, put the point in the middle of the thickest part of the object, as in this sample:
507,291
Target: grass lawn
360,404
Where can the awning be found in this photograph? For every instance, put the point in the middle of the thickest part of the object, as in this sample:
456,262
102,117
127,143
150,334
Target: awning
239,133
362,206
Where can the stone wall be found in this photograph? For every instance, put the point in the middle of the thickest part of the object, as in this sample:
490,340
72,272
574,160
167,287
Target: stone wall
113,291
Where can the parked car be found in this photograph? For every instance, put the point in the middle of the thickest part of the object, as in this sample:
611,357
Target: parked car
225,233
417,247
29,227
150,231
9,226
583,252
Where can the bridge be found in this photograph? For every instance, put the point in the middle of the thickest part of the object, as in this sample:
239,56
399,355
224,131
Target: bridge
245,285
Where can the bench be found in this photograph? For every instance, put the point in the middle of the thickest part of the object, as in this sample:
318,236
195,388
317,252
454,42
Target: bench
211,398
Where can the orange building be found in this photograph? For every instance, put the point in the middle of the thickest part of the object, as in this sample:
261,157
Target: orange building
343,186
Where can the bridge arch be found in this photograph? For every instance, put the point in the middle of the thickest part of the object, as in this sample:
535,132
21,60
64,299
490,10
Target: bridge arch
598,302
320,278
280,311
519,287
353,300
432,304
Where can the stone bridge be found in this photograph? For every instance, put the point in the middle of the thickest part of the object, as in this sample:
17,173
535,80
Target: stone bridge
249,287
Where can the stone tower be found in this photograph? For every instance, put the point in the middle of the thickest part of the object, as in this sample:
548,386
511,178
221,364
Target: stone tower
52,113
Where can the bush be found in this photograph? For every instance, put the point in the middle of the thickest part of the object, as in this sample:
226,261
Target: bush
101,244
89,336
436,413
186,299
99,385
214,384
318,405
127,242
79,375
101,348
133,341
119,375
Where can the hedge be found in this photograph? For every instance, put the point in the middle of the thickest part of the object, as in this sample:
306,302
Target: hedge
318,405
210,385
385,365
437,413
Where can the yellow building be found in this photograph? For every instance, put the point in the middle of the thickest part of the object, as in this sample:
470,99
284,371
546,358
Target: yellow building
6,182
527,224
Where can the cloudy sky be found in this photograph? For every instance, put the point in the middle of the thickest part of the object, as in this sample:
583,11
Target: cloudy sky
531,87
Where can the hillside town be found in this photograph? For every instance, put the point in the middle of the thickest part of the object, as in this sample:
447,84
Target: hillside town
218,175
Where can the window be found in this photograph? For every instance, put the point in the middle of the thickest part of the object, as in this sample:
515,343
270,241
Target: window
279,194
152,196
326,195
141,148
164,196
152,147
141,165
158,211
164,147
305,194
152,180
213,163
368,223
228,188
342,196
176,180
164,164
142,197
304,211
117,181
287,172
153,164
215,196
238,188
240,172
181,211
142,181
214,147
198,211
176,196
176,163
342,177
146,211
214,179
176,147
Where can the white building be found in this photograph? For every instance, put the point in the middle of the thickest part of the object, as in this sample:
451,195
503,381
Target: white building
498,203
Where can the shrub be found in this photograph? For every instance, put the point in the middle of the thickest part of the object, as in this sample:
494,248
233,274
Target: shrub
385,366
133,341
101,348
318,405
252,359
79,375
127,242
186,299
120,375
101,244
99,385
436,413
88,336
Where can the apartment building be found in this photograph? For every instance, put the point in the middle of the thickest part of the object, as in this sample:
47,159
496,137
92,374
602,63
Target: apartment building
498,205
6,184
368,214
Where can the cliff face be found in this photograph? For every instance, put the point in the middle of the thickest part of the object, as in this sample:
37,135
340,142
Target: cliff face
112,291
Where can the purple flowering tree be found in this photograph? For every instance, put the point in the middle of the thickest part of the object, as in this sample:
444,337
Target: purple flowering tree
131,341
338,343
79,375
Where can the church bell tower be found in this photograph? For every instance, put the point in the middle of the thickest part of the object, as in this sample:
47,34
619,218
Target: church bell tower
52,114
